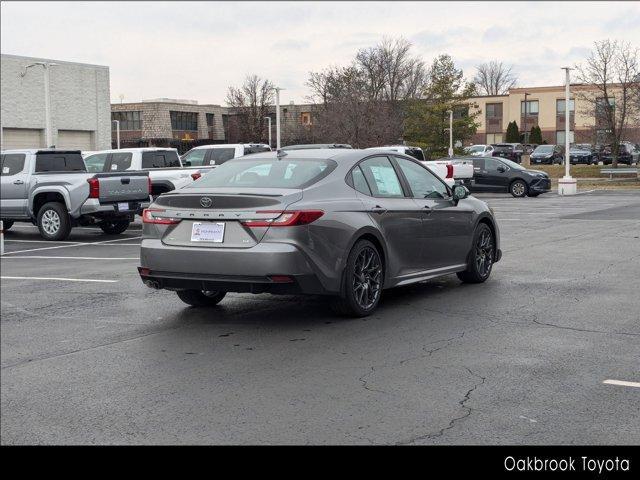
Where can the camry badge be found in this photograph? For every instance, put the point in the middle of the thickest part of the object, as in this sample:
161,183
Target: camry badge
206,202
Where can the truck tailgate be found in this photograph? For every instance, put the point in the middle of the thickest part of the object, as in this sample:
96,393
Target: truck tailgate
123,186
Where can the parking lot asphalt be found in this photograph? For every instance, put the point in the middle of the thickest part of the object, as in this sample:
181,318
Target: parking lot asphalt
92,356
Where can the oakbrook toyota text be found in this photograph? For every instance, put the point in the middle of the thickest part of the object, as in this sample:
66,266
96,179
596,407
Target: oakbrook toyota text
569,464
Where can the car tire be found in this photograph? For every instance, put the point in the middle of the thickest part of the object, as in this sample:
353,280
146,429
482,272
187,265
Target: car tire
482,256
362,281
114,227
518,189
7,224
200,298
53,221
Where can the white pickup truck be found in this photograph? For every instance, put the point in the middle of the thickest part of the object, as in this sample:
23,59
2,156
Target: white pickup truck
53,190
452,171
165,168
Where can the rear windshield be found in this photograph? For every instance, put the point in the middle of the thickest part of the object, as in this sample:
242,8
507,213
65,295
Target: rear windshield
544,149
256,149
160,159
266,173
503,148
59,162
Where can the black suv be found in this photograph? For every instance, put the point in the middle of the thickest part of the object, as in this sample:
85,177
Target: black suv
548,154
503,175
510,151
624,154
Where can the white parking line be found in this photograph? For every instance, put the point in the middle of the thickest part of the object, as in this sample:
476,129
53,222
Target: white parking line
42,257
622,383
72,245
59,279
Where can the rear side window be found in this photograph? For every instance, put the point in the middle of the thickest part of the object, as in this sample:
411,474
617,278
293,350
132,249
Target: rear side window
60,162
221,155
266,173
120,162
382,178
359,182
96,163
160,159
478,163
12,163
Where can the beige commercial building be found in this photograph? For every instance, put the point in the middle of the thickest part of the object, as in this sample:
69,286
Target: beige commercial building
545,108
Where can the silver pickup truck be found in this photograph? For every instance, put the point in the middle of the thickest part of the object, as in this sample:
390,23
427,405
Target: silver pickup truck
53,190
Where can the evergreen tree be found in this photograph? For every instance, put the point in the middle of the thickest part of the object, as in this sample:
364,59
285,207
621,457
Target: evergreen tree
536,135
513,133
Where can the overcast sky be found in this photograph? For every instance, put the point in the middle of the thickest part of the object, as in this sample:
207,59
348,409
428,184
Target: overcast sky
196,50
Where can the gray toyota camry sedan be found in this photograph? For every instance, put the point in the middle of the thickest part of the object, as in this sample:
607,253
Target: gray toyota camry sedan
344,223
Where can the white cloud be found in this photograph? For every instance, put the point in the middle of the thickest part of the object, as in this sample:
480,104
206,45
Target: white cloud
196,50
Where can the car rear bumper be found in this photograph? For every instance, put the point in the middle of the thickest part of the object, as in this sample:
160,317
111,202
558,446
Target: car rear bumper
266,267
92,206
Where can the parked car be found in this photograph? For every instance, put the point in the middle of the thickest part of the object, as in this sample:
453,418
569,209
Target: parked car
53,190
511,151
503,175
580,155
634,149
548,154
214,155
593,149
344,223
456,170
625,154
479,150
315,146
529,147
415,152
163,164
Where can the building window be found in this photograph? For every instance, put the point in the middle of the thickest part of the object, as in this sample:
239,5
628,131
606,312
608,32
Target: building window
494,110
305,118
532,107
560,105
209,119
128,120
494,138
184,121
560,137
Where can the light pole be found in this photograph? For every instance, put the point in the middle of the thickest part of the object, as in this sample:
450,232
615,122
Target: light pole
268,119
567,185
47,98
117,122
277,89
526,126
450,112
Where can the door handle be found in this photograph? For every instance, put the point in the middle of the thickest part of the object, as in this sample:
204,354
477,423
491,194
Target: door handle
427,209
378,209
18,182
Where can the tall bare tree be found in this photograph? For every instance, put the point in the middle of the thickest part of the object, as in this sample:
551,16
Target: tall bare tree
494,78
250,103
362,104
611,74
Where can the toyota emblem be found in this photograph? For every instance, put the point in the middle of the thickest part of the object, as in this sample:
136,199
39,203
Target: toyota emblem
206,202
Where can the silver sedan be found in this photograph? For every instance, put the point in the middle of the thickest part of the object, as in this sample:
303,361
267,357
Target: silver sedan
344,223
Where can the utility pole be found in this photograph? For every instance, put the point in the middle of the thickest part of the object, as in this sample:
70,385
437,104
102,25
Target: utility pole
47,99
117,122
268,119
278,117
450,112
566,184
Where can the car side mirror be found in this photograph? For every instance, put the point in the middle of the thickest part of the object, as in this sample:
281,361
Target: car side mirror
186,163
501,169
460,192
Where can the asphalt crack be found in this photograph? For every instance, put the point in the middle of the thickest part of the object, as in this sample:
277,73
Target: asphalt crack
454,420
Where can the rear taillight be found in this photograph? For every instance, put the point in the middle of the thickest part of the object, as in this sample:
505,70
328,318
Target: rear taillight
94,187
196,175
286,218
149,216
149,185
449,171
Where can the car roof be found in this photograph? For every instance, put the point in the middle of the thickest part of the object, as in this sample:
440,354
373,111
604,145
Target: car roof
337,154
40,150
131,150
229,145
317,146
